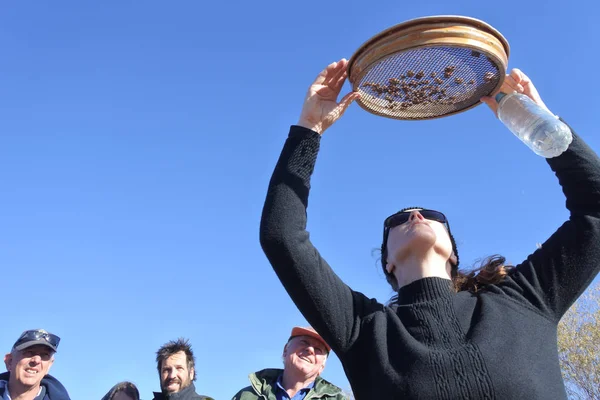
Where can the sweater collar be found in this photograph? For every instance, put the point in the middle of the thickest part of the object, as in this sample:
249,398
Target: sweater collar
425,289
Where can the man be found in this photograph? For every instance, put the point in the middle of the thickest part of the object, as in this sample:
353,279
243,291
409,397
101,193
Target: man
304,357
175,362
28,365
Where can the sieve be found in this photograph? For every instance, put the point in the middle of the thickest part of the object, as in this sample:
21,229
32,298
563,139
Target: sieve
429,67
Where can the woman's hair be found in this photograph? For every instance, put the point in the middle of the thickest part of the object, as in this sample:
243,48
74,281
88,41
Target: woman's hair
126,387
491,271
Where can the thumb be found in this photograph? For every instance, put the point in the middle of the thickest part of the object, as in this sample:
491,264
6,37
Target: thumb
491,103
346,101
339,110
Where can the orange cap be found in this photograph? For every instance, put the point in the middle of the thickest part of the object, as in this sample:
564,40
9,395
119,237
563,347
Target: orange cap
308,331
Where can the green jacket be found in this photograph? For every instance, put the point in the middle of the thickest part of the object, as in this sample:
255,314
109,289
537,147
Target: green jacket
262,382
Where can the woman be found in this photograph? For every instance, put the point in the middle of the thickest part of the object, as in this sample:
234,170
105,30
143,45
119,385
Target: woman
123,391
445,335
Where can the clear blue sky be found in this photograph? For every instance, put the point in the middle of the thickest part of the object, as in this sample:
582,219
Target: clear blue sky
137,139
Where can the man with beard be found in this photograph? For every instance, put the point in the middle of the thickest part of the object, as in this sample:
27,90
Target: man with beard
304,357
175,362
28,364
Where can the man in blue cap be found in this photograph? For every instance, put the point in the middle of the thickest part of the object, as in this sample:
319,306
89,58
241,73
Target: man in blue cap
28,364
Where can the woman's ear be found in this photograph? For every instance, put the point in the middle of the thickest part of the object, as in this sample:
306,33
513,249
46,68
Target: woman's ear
390,268
453,260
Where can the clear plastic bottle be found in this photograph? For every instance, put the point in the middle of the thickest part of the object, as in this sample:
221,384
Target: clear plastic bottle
538,128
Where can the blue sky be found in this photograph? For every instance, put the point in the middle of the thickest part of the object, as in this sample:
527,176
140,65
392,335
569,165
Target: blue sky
136,144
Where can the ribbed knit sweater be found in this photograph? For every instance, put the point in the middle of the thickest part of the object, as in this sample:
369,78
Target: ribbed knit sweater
499,343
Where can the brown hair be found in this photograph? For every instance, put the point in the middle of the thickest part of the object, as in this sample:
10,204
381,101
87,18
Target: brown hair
126,387
173,347
491,271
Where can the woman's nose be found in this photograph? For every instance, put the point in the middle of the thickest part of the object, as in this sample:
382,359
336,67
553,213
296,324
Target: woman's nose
415,214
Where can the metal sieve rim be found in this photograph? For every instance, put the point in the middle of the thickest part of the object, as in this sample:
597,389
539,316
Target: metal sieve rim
436,19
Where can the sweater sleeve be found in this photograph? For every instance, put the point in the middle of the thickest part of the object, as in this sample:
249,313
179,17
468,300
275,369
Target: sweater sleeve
327,303
554,276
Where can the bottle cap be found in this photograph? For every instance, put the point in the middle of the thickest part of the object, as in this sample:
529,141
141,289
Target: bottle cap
499,96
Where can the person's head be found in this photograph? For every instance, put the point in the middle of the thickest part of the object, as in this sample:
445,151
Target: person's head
305,353
30,359
176,365
416,233
123,391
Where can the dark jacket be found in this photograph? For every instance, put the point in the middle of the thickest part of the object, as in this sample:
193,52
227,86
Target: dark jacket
54,389
262,385
189,393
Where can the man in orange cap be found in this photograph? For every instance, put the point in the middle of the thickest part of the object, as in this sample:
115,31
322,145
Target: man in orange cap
304,357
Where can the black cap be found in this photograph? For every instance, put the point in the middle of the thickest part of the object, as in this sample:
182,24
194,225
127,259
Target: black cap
36,337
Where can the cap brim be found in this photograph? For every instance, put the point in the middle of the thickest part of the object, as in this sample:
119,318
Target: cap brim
299,331
41,342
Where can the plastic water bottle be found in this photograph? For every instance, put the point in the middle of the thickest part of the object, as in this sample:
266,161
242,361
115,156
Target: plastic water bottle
538,128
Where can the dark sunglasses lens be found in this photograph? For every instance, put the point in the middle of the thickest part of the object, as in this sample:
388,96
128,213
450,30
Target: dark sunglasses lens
37,335
50,338
400,218
53,340
396,219
434,215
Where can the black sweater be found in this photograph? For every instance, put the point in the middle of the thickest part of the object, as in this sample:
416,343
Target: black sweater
434,343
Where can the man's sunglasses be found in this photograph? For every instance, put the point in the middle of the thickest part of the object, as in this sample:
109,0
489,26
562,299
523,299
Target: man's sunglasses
37,334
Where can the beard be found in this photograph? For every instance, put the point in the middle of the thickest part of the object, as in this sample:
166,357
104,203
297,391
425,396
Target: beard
182,385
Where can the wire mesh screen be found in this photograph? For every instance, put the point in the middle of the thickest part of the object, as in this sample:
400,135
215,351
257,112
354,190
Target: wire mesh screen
428,82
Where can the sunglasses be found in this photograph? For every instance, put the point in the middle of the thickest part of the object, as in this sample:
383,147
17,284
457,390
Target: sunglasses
34,335
403,216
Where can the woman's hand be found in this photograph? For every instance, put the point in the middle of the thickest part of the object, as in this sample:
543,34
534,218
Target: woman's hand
321,109
518,82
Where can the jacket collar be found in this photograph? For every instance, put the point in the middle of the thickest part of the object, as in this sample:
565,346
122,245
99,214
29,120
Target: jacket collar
188,393
263,383
54,389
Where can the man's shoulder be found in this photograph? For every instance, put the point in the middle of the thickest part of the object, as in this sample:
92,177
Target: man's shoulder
195,396
246,393
267,374
260,382
3,381
54,389
326,388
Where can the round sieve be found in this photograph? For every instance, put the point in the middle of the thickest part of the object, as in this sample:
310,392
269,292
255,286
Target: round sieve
429,67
